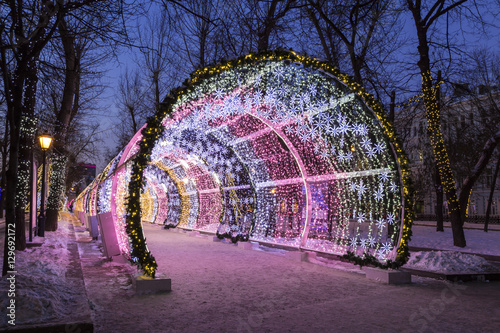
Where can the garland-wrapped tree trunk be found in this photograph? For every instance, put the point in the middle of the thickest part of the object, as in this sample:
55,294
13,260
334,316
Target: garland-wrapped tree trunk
433,112
56,191
28,129
69,108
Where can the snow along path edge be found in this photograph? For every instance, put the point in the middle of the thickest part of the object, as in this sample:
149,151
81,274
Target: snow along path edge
63,252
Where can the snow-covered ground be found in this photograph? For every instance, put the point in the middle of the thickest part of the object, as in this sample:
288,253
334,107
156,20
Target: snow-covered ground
220,287
449,262
449,258
46,294
478,241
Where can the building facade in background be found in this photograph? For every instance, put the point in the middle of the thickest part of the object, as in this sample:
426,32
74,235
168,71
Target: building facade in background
469,118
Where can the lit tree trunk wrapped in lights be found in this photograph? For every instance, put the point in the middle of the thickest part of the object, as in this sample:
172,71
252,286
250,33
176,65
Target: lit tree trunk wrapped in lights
433,112
28,129
77,37
68,109
57,184
441,156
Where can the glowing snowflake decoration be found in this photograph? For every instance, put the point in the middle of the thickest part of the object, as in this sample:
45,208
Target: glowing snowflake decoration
381,254
384,176
279,72
390,218
380,224
370,152
219,93
393,187
312,89
353,186
361,189
363,243
386,247
349,156
282,91
366,143
363,130
379,194
341,156
289,130
379,148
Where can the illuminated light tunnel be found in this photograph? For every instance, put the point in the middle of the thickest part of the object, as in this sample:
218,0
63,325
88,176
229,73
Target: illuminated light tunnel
276,148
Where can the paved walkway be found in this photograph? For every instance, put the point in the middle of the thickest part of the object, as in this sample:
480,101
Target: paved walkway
218,287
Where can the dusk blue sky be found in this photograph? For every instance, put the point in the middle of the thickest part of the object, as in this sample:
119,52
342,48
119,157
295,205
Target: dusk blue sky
472,36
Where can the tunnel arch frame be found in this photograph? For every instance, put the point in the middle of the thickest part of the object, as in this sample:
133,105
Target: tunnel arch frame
154,129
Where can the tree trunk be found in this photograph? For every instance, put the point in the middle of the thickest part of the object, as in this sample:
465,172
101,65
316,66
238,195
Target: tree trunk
392,106
439,203
13,88
433,115
4,166
438,185
270,24
492,190
57,186
488,149
66,113
156,81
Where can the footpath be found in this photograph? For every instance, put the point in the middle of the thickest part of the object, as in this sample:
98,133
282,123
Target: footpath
87,275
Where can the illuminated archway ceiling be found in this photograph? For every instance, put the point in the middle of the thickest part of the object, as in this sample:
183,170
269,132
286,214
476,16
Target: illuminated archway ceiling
298,157
277,148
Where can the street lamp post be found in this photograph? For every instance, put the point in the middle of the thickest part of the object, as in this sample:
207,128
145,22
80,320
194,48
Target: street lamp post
45,141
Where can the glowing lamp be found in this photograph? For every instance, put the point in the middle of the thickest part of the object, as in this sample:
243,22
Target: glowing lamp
45,141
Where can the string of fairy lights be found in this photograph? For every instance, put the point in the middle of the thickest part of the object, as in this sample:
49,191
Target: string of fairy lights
27,130
429,93
57,181
274,147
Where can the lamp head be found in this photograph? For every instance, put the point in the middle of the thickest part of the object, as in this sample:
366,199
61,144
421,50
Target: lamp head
45,141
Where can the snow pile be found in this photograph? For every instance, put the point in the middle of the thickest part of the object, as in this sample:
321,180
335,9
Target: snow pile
448,262
42,292
336,264
269,249
478,241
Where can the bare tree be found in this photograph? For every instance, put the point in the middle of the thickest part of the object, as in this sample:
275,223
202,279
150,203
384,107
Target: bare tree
480,120
81,47
155,37
132,108
425,17
25,29
357,24
4,148
196,24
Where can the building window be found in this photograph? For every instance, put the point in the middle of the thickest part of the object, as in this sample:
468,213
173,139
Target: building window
419,207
